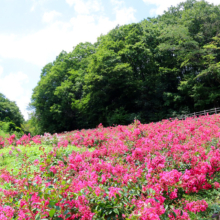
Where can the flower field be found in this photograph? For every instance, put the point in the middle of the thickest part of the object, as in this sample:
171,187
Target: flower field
165,170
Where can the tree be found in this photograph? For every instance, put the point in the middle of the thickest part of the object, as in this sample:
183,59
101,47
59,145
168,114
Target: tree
9,111
155,69
56,98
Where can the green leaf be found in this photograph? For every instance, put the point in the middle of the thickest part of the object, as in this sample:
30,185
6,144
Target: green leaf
116,211
52,203
66,212
156,200
118,197
174,214
37,217
52,212
57,208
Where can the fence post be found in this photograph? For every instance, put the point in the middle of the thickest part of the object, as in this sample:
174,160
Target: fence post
215,111
204,112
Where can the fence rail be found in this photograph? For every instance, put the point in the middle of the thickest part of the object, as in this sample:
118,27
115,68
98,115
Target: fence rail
204,112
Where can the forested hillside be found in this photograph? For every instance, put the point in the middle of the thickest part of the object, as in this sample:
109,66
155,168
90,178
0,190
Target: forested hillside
155,69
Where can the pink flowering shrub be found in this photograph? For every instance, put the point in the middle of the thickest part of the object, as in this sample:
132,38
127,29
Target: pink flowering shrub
196,206
141,171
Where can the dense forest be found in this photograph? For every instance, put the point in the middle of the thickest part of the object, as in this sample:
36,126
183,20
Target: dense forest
155,69
11,118
9,111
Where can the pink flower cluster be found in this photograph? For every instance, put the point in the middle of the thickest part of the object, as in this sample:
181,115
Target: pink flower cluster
135,171
196,206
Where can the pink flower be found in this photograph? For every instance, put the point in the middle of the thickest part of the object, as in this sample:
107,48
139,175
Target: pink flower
53,169
38,180
196,206
217,185
36,162
180,215
173,194
12,136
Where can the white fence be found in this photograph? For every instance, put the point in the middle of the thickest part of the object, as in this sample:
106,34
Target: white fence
204,112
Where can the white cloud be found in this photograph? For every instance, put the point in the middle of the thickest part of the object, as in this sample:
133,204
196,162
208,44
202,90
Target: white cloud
71,2
43,46
36,3
50,16
22,103
86,7
123,14
1,70
117,3
11,86
164,5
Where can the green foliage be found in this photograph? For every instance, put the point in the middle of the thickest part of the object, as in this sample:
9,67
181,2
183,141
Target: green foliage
155,69
112,208
9,111
12,158
10,128
31,126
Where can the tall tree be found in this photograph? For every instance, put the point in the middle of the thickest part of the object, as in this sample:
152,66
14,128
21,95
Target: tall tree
155,69
9,111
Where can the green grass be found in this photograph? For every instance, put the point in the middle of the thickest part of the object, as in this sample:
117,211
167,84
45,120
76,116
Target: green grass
13,161
12,157
3,134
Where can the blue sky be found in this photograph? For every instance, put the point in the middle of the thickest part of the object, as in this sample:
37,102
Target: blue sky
34,32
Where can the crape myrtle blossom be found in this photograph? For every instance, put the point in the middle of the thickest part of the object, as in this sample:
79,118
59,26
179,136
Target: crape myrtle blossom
196,206
140,171
6,212
178,214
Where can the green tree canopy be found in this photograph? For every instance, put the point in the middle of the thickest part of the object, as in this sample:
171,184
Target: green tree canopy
155,69
9,111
